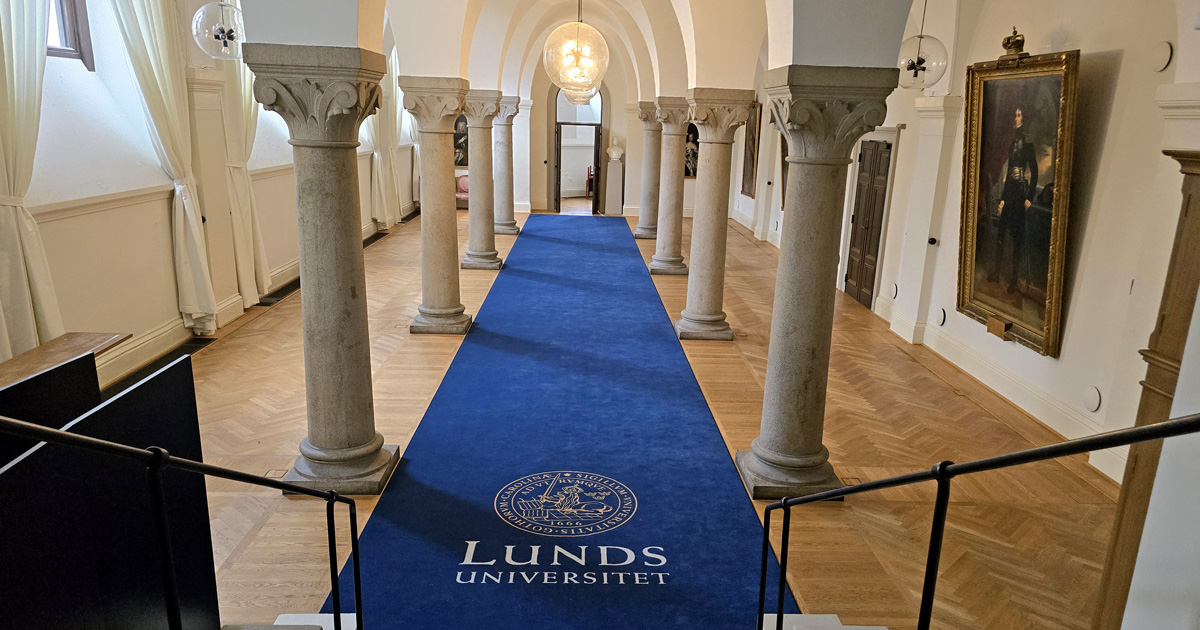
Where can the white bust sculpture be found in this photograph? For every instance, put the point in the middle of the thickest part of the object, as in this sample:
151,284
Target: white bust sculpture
615,151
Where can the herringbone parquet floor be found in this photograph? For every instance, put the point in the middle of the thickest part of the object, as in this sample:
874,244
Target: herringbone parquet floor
1023,547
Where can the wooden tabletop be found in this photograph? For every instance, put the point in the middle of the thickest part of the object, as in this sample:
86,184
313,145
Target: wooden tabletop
55,352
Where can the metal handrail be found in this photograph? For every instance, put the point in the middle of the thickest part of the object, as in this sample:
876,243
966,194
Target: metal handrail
942,473
157,460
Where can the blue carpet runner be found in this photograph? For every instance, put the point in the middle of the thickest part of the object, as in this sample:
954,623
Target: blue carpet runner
568,472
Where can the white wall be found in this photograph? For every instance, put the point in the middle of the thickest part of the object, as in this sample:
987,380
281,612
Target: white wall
1119,225
103,203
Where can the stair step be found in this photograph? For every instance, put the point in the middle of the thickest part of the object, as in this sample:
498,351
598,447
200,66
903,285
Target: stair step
812,622
315,622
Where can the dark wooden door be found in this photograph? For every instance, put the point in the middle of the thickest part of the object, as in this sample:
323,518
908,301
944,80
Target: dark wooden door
558,167
866,224
597,147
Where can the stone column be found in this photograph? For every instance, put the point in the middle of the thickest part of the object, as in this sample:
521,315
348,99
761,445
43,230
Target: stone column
717,114
822,111
324,93
506,221
668,254
647,225
480,107
435,102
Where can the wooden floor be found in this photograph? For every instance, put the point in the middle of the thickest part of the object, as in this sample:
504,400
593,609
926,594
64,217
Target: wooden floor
1024,547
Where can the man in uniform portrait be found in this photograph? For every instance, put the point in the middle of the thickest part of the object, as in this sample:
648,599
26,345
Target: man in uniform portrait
1020,187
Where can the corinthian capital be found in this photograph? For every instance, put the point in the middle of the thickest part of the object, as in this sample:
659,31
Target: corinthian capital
673,114
435,102
648,114
718,112
510,106
323,93
481,106
824,110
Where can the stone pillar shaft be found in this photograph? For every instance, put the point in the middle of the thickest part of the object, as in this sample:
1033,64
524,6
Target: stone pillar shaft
324,94
481,106
668,255
822,112
647,225
435,103
717,114
506,221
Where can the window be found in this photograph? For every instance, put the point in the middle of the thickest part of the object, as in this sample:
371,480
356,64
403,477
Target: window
69,34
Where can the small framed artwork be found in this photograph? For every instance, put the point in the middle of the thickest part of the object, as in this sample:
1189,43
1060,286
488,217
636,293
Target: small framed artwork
1020,120
461,152
691,152
750,156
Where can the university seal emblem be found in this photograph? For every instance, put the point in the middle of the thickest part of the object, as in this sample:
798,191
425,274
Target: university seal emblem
566,503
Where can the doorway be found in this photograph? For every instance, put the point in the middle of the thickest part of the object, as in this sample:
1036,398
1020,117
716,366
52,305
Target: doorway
578,140
866,220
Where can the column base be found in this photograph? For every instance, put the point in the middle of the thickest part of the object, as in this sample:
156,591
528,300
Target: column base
430,325
668,267
507,229
482,262
763,481
368,475
705,331
641,232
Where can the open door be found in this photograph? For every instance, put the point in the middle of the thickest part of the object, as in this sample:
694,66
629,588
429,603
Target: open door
558,167
598,172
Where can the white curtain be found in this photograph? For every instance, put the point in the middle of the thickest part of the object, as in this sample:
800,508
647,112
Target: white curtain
241,123
153,36
383,134
28,307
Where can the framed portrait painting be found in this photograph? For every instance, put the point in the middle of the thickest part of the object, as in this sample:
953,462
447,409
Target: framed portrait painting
1020,119
750,157
461,149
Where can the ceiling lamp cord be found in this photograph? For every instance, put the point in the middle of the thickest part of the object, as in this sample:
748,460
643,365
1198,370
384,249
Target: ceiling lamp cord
924,9
581,10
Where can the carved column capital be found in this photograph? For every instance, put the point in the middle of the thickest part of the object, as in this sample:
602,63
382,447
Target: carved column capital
648,114
435,102
824,110
481,106
510,106
323,93
673,114
718,112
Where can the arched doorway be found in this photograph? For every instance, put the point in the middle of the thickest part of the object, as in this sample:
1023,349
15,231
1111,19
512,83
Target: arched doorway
578,140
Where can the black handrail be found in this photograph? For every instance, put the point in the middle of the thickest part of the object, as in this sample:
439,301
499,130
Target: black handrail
942,473
157,460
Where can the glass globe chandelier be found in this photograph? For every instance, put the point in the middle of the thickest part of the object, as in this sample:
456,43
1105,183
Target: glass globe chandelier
923,59
217,29
579,98
576,57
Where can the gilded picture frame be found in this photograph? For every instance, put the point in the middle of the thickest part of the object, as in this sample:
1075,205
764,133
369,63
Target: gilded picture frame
1017,154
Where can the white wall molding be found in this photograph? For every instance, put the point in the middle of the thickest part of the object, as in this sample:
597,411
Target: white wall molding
629,211
1047,408
285,273
522,206
100,203
883,307
229,309
273,171
140,350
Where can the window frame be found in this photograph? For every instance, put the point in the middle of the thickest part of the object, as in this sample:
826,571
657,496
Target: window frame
77,35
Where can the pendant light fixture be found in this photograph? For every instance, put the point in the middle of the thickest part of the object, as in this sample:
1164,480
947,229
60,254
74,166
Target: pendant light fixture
923,59
217,29
576,58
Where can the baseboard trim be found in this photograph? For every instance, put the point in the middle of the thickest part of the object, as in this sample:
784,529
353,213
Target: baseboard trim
230,309
630,211
1111,462
1047,408
573,192
910,331
369,228
884,307
522,206
141,349
407,209
284,274
741,217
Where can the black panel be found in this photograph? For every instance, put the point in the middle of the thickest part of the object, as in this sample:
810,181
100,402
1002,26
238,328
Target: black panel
51,399
76,530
